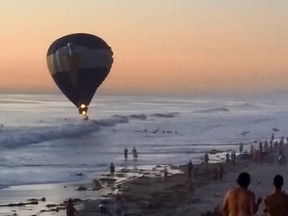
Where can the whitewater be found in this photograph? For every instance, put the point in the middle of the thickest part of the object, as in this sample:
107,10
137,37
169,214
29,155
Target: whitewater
43,139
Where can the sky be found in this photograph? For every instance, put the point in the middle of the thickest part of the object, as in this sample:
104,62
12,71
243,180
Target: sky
187,47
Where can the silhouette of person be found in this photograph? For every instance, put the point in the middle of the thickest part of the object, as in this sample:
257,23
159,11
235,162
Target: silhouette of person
233,158
276,203
190,168
221,172
227,157
216,173
112,169
165,173
104,211
70,209
240,200
135,153
126,153
241,148
206,159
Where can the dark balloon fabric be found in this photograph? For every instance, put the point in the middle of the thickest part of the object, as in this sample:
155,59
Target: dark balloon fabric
79,63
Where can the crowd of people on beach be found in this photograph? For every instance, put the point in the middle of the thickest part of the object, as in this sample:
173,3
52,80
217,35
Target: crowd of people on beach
237,201
241,201
267,150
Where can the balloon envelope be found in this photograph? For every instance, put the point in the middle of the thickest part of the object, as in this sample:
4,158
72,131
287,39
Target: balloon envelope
79,63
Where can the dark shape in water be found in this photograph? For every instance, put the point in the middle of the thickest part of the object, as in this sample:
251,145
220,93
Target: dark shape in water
275,129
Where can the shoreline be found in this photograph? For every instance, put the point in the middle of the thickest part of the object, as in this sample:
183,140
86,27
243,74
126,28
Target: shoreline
26,199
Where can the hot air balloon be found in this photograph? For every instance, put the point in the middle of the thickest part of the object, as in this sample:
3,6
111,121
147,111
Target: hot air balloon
79,63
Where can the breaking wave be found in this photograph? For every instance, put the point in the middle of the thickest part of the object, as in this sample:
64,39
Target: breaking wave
249,106
14,137
219,109
165,115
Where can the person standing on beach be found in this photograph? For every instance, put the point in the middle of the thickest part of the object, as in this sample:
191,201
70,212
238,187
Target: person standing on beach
112,169
221,171
135,153
276,203
233,158
165,173
70,210
240,200
227,157
104,211
206,160
272,136
260,152
216,173
241,148
190,168
126,153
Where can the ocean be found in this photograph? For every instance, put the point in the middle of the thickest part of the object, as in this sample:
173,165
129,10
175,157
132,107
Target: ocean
44,140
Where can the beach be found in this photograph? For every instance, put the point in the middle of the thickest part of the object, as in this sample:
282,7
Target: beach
84,83
47,159
151,194
145,190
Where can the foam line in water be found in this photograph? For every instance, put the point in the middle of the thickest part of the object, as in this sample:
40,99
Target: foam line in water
14,137
21,136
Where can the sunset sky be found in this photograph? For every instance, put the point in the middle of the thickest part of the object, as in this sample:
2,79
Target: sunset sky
160,46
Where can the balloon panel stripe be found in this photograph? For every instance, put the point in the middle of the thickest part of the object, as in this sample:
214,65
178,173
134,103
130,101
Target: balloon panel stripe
88,82
101,58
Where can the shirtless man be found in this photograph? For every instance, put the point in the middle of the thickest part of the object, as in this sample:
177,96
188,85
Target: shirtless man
276,203
240,201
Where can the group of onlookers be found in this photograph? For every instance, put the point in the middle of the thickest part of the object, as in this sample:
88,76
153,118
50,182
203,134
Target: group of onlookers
269,151
241,201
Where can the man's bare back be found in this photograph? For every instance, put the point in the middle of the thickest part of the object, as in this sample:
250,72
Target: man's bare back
277,204
239,202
